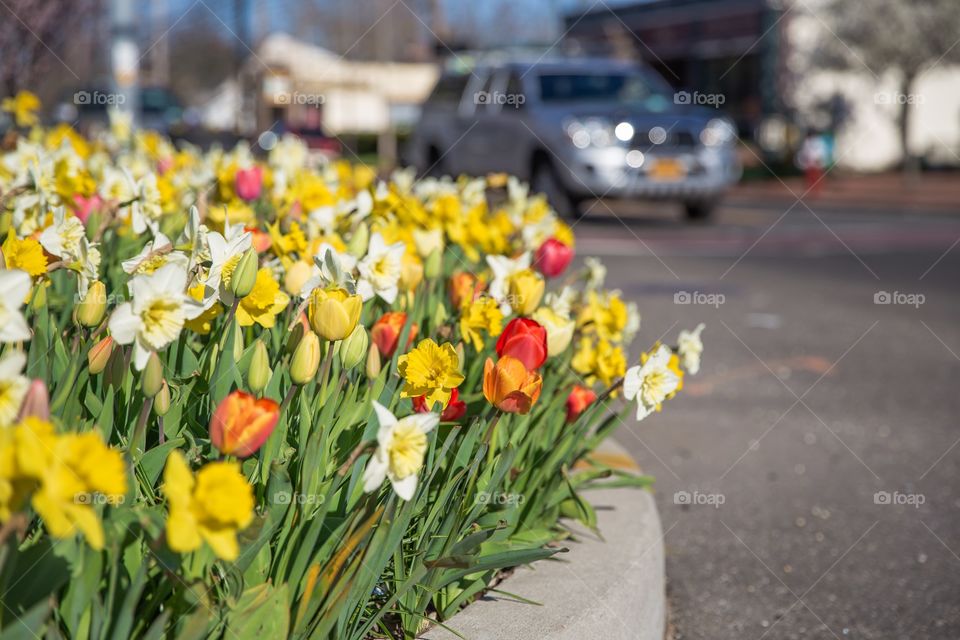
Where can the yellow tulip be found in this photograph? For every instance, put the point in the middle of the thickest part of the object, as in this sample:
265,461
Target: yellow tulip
526,291
306,359
334,313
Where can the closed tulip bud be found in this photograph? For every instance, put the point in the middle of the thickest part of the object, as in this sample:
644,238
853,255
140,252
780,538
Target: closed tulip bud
411,272
245,274
373,363
353,349
526,291
334,313
306,359
386,332
294,338
36,403
525,340
117,367
553,257
241,423
258,375
237,346
99,355
440,315
428,241
39,300
161,403
559,329
434,264
92,306
579,399
297,276
461,356
357,247
152,377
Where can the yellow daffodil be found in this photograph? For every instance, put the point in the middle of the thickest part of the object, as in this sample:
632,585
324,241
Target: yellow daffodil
26,255
599,360
482,314
430,370
203,323
604,315
81,470
23,107
263,303
334,313
211,506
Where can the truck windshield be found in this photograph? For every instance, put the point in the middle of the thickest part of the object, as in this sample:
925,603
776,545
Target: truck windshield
598,87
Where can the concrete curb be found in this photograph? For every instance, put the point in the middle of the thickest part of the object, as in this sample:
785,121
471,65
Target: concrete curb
612,589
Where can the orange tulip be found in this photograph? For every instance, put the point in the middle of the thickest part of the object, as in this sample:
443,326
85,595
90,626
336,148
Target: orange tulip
242,423
385,332
509,386
579,399
464,287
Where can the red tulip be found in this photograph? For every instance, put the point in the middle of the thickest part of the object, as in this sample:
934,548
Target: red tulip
579,399
454,410
386,332
242,423
553,257
525,340
249,182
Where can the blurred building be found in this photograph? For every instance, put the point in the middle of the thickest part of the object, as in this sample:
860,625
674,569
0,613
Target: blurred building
288,84
759,55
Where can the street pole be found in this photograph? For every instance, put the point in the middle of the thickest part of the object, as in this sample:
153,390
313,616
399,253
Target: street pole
125,57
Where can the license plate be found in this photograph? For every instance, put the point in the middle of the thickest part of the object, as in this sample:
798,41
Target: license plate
667,169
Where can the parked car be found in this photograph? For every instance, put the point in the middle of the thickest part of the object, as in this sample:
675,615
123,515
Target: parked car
578,129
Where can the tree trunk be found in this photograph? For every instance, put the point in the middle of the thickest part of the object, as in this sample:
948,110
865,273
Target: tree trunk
903,119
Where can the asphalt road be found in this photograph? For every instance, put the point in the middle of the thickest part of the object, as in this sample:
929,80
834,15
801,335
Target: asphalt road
811,400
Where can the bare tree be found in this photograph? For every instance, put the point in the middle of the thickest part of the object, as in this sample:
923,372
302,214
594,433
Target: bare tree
34,35
907,38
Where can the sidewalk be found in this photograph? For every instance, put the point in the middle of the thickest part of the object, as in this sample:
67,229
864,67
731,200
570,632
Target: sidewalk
928,193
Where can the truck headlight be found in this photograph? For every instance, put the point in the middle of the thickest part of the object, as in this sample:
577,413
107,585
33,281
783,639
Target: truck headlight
718,132
591,132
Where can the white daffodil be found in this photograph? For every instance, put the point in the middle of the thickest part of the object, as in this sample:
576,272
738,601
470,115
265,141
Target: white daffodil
690,348
380,269
536,233
561,303
632,325
15,285
401,446
403,179
13,386
154,255
193,239
331,268
225,253
86,264
503,269
145,210
651,382
155,316
63,237
596,273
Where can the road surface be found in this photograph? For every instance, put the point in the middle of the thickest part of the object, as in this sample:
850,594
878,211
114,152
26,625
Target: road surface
808,478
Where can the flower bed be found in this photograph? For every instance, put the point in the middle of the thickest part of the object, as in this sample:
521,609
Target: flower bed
246,397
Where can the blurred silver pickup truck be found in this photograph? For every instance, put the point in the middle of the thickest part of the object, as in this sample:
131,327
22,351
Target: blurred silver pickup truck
578,129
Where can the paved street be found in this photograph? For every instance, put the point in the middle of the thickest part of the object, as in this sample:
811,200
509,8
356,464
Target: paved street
811,400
